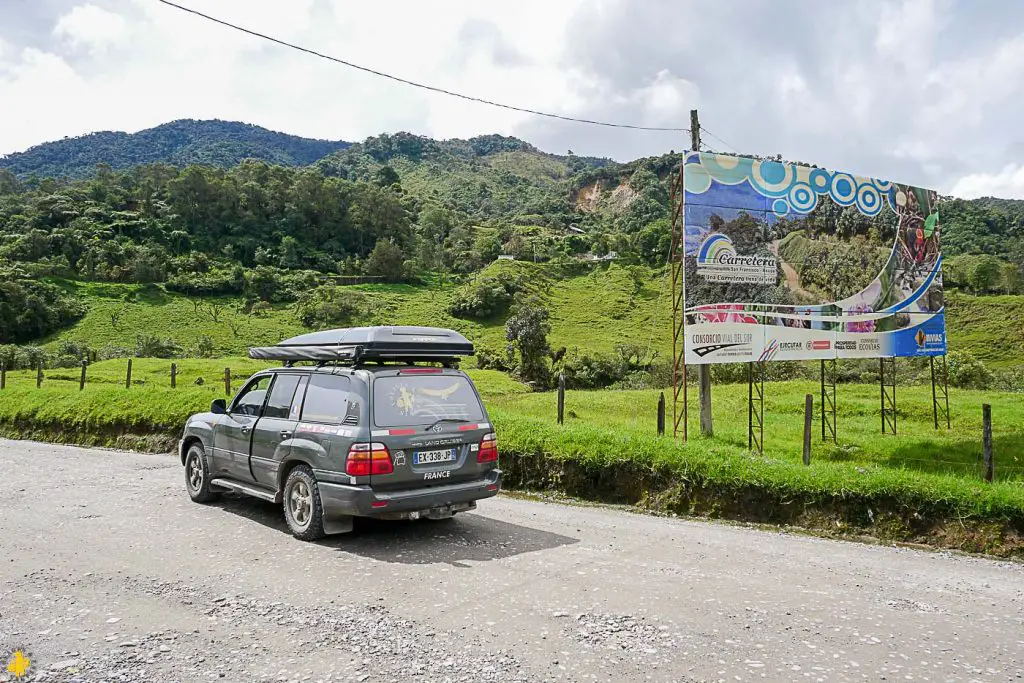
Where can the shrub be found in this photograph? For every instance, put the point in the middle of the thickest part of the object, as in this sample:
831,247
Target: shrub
967,372
204,347
486,296
527,335
326,306
152,346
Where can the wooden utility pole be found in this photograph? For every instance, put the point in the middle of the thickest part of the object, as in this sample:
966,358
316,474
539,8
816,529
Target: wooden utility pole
703,371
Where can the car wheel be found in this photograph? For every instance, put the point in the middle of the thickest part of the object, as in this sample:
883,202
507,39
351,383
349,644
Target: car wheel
302,507
197,475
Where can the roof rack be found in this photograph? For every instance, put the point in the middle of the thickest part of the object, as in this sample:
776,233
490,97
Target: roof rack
357,345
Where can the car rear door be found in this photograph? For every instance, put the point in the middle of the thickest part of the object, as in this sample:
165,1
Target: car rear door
273,433
433,424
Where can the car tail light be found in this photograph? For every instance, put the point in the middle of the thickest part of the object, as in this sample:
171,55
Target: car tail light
488,449
368,458
420,371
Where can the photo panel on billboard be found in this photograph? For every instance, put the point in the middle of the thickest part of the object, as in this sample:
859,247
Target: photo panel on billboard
825,264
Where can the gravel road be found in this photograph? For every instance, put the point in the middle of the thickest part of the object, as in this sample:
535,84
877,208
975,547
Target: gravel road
109,573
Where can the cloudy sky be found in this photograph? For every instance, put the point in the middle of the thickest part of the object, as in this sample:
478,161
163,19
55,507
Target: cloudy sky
921,91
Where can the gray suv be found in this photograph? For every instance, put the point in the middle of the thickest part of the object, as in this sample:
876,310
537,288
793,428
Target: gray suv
381,424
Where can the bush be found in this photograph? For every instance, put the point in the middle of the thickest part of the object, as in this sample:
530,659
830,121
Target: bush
31,309
327,306
967,372
204,347
70,354
527,335
152,346
214,282
484,297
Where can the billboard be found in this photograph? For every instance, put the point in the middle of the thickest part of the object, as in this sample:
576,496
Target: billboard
788,262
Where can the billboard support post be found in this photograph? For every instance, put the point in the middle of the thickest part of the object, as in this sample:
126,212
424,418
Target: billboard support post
677,258
887,380
828,400
707,425
755,406
940,391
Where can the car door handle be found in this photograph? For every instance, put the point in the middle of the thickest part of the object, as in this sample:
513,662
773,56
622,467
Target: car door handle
285,434
245,430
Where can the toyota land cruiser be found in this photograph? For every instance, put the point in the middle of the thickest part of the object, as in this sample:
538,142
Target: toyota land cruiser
382,424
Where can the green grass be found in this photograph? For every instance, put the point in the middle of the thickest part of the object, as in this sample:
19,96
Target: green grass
592,312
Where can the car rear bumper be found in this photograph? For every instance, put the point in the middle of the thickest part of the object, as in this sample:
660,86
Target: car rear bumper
363,501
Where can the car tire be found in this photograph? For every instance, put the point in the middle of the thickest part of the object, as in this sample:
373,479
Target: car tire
303,510
197,475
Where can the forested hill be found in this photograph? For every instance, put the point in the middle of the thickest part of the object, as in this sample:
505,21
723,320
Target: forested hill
181,143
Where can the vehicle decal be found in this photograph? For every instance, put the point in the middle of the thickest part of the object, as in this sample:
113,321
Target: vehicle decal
446,474
325,429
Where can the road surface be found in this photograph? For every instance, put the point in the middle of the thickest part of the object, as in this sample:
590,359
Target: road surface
110,573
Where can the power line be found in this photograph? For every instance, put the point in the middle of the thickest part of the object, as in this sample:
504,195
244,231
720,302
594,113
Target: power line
719,139
423,86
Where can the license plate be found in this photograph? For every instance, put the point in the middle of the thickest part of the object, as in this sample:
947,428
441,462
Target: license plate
433,457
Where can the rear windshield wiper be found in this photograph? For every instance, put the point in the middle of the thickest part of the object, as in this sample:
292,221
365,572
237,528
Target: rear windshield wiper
448,419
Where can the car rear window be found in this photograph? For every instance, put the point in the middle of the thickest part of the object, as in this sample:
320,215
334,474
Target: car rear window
406,400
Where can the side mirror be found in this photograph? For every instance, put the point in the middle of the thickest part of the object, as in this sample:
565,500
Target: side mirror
218,406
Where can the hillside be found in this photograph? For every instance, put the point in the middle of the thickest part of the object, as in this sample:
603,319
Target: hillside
216,143
484,177
591,313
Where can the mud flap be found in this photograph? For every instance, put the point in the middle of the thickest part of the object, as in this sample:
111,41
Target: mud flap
338,524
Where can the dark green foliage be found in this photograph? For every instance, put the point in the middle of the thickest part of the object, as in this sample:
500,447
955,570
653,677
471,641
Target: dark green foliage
329,306
152,346
487,296
30,309
216,143
386,261
527,335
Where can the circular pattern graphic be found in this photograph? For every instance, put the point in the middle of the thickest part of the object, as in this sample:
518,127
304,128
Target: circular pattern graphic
772,178
802,198
869,199
820,180
792,188
844,189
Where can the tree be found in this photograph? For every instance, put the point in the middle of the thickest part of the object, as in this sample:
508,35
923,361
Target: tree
387,176
984,274
1010,278
386,261
527,335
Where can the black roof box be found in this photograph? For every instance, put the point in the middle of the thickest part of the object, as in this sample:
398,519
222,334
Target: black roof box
361,344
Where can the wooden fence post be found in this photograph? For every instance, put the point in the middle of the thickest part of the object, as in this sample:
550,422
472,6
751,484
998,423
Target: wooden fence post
39,375
808,414
986,437
561,397
81,382
227,381
128,377
661,414
174,375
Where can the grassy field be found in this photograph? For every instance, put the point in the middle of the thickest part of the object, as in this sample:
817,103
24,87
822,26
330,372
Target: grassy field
589,313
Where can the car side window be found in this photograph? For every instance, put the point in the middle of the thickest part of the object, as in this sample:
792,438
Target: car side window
300,393
250,400
327,398
281,393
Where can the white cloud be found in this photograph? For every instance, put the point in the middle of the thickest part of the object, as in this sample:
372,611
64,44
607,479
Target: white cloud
893,88
1007,183
92,27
